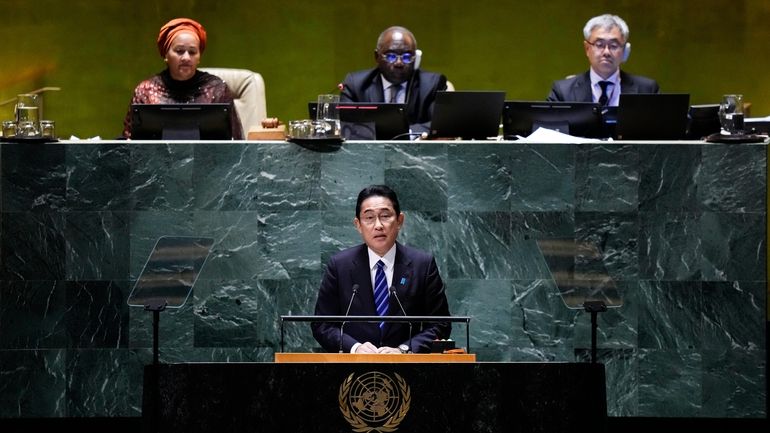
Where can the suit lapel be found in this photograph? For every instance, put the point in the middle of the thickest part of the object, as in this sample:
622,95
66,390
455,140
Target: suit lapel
374,92
581,89
412,91
361,275
627,84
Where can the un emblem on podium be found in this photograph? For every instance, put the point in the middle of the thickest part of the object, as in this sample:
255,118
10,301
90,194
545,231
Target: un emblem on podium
374,401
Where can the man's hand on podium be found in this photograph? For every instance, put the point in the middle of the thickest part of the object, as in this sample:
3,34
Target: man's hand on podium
366,348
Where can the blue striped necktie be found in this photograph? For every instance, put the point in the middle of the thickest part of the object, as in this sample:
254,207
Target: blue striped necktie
381,291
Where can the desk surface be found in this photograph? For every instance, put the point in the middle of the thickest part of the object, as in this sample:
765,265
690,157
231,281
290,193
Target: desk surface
478,142
375,357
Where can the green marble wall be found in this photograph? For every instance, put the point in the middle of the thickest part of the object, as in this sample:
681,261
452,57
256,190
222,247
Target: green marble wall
682,228
97,51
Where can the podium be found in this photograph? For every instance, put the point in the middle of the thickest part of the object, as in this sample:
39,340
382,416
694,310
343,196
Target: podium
413,358
345,394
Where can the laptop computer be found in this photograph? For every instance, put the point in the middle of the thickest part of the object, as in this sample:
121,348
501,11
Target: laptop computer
580,119
652,116
370,121
467,114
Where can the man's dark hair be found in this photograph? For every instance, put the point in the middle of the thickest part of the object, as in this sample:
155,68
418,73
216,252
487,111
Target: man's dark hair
377,191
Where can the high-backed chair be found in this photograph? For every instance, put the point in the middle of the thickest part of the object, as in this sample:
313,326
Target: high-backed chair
248,89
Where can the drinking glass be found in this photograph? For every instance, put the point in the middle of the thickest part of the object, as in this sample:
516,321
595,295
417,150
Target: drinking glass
47,129
27,129
327,112
9,128
27,108
731,114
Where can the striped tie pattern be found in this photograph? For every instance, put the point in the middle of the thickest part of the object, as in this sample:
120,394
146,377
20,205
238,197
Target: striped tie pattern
381,291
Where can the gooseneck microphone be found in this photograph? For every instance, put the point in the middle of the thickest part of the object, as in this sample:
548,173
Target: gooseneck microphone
350,304
401,307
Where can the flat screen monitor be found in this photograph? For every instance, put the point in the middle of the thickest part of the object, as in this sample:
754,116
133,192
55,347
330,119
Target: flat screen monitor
703,121
580,119
467,114
652,116
181,122
370,120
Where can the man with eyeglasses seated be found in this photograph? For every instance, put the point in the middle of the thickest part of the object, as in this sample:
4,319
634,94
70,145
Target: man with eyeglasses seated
605,44
380,277
397,79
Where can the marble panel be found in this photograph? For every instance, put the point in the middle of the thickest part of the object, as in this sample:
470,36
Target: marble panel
32,315
98,177
162,177
97,245
606,177
34,384
225,176
97,314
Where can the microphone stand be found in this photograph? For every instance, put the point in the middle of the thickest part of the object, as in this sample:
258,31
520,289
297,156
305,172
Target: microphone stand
393,292
342,326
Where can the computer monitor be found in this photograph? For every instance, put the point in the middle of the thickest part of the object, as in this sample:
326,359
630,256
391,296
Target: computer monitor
370,120
181,122
467,114
652,116
581,119
703,121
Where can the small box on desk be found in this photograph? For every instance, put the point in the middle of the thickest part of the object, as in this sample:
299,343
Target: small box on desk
440,346
262,133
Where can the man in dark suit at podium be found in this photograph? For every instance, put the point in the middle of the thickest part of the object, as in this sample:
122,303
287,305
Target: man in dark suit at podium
397,79
378,277
606,46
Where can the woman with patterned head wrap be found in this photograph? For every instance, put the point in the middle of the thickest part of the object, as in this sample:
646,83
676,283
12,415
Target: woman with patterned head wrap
181,42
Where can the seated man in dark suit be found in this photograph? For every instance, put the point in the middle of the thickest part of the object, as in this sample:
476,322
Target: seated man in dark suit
378,277
606,47
397,79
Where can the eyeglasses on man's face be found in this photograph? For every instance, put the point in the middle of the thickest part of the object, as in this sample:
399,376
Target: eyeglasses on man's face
392,57
371,218
600,45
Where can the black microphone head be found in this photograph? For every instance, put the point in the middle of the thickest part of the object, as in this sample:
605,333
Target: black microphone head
355,288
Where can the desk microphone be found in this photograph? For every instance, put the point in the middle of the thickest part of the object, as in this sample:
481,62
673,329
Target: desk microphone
350,304
393,293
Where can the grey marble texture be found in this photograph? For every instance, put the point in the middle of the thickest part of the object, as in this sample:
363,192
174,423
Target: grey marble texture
681,228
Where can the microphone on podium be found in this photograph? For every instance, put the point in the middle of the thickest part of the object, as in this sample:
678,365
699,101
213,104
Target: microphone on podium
342,326
401,307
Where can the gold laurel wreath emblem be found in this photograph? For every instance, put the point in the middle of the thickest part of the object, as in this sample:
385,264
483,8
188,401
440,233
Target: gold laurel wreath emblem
358,424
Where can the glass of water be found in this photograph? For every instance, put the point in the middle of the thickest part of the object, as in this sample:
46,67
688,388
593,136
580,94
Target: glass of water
731,114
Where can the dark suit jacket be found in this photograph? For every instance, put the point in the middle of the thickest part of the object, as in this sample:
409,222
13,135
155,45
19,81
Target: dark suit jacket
366,86
418,286
578,88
